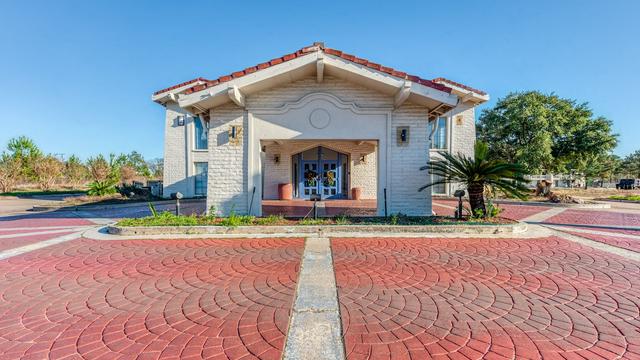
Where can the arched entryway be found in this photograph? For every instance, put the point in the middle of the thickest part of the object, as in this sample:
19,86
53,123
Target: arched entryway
320,170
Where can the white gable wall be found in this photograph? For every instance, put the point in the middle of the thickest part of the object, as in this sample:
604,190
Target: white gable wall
179,154
231,173
230,185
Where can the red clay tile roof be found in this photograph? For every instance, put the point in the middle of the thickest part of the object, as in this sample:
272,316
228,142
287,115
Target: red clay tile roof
180,85
451,82
305,51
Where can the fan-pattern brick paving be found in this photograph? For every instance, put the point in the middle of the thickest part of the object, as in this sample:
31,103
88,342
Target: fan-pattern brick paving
486,299
188,299
628,243
592,217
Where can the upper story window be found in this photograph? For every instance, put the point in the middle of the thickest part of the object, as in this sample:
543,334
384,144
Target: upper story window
440,136
200,135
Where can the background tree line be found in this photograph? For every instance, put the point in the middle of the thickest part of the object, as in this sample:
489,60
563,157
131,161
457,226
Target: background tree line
22,162
547,134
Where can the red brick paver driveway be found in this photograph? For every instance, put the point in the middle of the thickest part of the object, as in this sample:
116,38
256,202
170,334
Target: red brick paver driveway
187,299
594,217
486,298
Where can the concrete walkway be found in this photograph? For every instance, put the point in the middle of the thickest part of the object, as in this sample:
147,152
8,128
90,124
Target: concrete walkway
314,329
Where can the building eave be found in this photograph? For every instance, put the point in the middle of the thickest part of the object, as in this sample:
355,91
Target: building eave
307,65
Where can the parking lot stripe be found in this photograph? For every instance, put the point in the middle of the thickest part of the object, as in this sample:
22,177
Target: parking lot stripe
544,215
39,245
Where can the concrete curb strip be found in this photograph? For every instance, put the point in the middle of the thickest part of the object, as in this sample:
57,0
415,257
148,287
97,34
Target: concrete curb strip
315,330
629,254
555,205
310,229
89,207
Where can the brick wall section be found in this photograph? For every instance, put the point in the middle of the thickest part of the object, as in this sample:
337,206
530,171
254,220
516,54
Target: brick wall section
179,162
461,138
464,135
405,163
174,177
363,175
227,181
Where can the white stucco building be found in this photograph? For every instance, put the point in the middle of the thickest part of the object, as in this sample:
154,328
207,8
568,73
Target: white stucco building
321,120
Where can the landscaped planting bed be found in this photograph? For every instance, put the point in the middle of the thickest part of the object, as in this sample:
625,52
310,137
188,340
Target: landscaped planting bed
169,219
633,198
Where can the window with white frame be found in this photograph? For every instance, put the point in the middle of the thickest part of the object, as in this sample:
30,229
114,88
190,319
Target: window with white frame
440,136
201,174
200,134
439,189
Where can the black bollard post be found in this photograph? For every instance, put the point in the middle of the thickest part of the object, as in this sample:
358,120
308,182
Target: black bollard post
385,202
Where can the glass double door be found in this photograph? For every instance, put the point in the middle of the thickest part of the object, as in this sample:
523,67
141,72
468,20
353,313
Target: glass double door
320,177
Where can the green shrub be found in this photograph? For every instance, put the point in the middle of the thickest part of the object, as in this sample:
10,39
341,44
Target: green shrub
165,218
625,197
235,220
269,220
342,219
102,187
310,221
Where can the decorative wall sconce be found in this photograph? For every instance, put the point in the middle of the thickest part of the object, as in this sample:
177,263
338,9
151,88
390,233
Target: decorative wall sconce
459,119
276,158
363,158
181,119
403,135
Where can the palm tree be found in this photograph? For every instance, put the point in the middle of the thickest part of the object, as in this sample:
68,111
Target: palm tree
478,173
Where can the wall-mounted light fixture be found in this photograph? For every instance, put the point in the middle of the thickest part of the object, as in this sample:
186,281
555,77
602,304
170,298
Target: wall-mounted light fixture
181,119
459,120
276,158
363,158
235,134
403,135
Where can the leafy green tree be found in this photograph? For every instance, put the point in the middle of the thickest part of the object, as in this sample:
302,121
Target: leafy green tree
75,171
631,165
27,153
478,173
598,167
156,166
137,162
545,133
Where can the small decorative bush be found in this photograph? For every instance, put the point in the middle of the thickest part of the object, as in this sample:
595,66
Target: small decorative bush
102,187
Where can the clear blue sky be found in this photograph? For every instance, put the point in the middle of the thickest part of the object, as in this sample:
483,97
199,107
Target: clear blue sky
77,76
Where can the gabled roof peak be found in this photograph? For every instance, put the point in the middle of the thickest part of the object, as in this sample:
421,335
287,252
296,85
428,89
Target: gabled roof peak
202,83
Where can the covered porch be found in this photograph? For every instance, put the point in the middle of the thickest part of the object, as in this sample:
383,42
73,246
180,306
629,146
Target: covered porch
335,170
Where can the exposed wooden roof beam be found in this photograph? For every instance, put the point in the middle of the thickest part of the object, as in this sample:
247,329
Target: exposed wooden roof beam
320,67
403,94
236,96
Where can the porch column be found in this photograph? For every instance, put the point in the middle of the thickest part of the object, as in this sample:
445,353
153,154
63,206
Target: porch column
254,169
